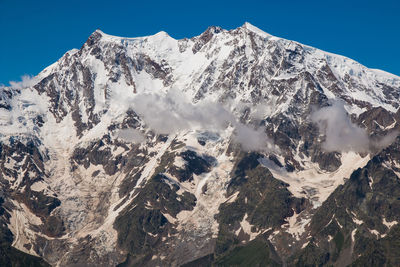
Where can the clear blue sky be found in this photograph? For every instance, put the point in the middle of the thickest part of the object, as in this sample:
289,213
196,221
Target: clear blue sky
34,34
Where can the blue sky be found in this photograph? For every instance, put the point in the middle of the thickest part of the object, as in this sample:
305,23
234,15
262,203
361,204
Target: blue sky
34,34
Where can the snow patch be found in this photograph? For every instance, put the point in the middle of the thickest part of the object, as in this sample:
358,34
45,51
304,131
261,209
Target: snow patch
296,225
389,224
246,227
38,186
314,183
353,234
21,220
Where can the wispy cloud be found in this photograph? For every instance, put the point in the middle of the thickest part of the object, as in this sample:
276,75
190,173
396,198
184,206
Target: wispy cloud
252,139
131,136
343,135
26,81
173,111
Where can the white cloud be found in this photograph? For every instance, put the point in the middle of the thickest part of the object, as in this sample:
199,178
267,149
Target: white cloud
173,111
131,136
343,135
252,139
26,81
385,141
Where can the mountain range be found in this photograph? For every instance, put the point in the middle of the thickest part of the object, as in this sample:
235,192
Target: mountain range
231,148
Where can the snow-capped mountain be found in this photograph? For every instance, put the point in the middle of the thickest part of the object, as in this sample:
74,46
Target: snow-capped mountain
232,147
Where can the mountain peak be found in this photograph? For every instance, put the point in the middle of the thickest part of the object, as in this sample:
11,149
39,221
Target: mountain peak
254,29
214,29
97,34
160,35
99,31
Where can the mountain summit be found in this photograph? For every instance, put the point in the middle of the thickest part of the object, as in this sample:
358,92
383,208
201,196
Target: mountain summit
229,148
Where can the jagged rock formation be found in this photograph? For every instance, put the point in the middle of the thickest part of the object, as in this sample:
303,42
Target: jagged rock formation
154,151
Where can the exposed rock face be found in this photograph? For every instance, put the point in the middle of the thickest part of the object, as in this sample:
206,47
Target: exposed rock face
230,167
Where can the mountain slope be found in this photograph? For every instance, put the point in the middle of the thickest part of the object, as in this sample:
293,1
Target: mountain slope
226,148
